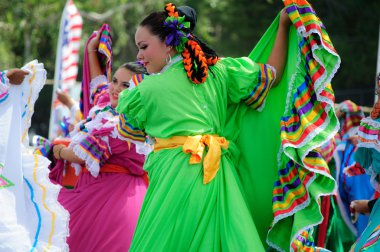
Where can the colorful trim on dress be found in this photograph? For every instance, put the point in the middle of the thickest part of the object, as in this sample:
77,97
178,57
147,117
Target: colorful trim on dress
369,134
372,239
354,170
43,146
94,151
137,78
257,97
327,150
305,242
4,182
105,48
308,122
100,91
352,116
4,88
105,54
126,130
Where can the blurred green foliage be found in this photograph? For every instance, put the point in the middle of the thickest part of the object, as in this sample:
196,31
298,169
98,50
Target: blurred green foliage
29,29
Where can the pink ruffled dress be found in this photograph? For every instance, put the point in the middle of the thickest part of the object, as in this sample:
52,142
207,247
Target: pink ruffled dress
105,204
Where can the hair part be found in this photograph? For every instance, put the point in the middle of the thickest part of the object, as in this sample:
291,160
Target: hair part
154,22
134,67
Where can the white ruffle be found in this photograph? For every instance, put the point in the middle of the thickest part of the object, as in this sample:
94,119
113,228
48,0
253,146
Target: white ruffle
91,164
31,87
368,120
143,148
95,82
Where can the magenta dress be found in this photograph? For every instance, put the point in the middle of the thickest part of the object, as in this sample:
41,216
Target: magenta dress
105,204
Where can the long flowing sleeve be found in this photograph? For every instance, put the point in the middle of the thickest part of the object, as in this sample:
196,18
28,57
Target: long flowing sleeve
279,147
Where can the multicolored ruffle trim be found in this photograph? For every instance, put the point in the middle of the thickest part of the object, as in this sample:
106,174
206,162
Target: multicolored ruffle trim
127,131
369,134
105,59
308,122
257,98
352,114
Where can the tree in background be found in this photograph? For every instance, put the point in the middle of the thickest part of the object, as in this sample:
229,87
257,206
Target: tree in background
29,29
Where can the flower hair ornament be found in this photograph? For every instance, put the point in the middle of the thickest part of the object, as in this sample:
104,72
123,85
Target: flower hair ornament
177,36
195,61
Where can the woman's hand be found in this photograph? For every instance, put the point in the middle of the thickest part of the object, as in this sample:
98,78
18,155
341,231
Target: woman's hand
360,206
94,43
354,139
57,150
65,98
16,76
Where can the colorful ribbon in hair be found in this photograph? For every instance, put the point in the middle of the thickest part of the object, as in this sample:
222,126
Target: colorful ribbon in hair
176,26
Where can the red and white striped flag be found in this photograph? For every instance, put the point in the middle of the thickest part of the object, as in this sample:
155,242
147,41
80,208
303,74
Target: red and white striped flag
67,56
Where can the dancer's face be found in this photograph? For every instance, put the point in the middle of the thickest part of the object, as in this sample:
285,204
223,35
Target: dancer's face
152,51
120,81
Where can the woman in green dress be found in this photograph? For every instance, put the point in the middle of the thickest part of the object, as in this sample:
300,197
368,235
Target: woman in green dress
195,200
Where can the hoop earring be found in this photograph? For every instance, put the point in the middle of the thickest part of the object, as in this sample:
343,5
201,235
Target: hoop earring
168,59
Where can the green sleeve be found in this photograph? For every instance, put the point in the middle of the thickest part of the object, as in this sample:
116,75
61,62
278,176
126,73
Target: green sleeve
248,81
132,115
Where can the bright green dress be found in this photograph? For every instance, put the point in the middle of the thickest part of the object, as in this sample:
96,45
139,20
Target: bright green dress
272,172
180,213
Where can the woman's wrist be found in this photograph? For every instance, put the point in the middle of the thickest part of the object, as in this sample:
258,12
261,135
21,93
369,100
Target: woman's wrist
60,152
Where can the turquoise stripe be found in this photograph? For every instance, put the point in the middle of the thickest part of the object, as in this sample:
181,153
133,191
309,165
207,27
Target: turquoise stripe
38,215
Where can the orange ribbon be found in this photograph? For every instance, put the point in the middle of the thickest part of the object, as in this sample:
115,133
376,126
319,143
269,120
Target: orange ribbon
195,146
113,168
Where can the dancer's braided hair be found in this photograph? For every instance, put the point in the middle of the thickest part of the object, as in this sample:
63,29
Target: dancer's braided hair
197,56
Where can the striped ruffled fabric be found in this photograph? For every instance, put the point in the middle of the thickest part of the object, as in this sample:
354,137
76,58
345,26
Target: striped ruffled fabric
88,141
94,151
308,122
354,170
352,116
369,134
304,242
100,91
327,149
105,49
368,152
127,131
41,224
136,79
257,97
42,145
372,239
105,54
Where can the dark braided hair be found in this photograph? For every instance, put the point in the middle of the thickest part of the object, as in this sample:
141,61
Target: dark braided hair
197,55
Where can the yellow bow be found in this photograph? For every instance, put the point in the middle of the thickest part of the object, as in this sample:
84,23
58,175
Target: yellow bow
195,146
